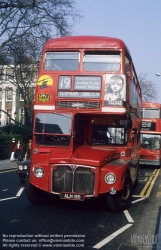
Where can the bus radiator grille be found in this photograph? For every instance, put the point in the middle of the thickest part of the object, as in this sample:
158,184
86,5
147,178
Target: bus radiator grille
69,179
78,105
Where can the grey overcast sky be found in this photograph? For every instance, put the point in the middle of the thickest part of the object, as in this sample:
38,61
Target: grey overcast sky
136,22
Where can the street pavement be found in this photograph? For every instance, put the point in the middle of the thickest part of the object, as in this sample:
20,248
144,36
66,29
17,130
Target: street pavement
7,165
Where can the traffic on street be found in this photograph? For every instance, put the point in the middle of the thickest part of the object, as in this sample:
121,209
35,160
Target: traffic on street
79,225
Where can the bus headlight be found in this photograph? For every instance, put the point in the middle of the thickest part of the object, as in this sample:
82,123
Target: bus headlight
39,172
110,178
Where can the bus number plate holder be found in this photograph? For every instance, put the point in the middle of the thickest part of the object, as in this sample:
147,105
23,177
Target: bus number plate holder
72,196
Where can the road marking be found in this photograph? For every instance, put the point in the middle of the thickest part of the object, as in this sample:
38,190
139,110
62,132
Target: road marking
150,183
138,196
143,179
146,186
17,195
8,198
112,236
143,198
149,174
20,192
128,216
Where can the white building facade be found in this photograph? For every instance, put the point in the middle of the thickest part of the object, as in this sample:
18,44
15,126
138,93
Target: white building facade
11,101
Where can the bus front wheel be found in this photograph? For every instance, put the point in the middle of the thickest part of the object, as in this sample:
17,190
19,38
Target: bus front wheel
121,202
33,193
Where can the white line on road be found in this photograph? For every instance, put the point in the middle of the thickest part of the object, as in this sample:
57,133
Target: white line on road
139,200
17,195
139,196
128,216
20,192
8,198
112,236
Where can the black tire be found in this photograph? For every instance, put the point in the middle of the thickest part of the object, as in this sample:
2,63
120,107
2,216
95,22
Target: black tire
33,194
22,179
121,202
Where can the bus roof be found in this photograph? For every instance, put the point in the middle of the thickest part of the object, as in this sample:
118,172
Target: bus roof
93,42
151,105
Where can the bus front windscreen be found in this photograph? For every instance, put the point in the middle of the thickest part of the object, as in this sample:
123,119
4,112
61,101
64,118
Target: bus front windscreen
105,135
151,142
53,129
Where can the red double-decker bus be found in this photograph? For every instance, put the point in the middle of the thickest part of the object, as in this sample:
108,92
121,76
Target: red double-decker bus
150,134
86,122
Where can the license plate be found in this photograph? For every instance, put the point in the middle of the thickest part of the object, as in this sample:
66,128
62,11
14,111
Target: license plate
72,196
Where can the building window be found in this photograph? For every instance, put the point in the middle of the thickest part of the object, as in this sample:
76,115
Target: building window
1,74
21,97
10,76
0,95
21,115
8,119
9,94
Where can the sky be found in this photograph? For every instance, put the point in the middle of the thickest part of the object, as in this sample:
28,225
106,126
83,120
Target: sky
136,22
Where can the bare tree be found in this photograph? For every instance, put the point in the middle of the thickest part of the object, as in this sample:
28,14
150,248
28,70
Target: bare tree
24,27
40,18
148,88
22,59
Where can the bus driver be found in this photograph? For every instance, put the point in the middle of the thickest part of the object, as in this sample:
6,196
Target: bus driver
157,144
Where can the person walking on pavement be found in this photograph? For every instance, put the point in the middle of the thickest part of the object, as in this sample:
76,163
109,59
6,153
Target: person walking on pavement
19,151
11,148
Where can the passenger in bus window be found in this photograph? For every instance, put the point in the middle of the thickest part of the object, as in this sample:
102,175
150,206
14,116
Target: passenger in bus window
114,92
157,144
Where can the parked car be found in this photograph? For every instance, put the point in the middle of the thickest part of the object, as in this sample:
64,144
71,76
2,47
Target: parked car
23,169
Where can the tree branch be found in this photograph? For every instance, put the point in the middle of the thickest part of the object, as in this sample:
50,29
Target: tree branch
10,117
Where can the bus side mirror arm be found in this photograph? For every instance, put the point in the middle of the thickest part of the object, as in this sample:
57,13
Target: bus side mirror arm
128,124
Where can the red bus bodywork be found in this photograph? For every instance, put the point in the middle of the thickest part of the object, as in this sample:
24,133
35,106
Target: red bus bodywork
150,153
86,138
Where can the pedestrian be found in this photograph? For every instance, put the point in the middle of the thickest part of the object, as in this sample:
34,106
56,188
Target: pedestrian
28,150
19,151
11,148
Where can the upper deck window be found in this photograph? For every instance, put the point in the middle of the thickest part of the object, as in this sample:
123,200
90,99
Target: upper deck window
102,61
61,61
127,66
151,113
